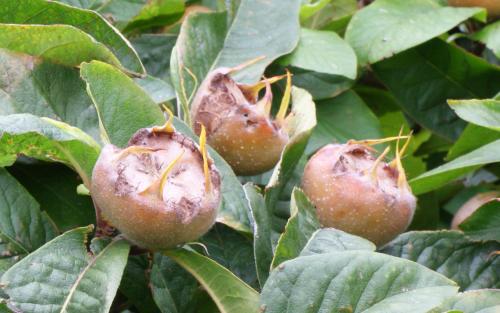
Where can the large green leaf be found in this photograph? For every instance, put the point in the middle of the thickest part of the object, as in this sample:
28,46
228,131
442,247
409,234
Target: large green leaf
300,126
43,12
155,51
490,36
477,301
229,292
49,140
424,78
45,89
69,277
259,29
328,240
343,118
323,52
302,224
123,107
447,172
262,232
232,250
23,227
391,26
484,223
484,113
331,15
472,138
354,281
54,187
174,289
63,44
466,261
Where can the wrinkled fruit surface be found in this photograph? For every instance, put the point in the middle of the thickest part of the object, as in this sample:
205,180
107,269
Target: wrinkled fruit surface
492,6
471,205
238,128
154,191
356,194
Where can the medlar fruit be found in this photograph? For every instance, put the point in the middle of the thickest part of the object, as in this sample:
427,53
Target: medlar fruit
356,192
160,191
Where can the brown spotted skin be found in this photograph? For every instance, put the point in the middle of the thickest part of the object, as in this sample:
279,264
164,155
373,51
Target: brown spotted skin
183,213
245,137
338,181
471,206
492,6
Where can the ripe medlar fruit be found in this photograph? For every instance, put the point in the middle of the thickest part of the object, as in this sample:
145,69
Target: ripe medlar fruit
239,126
471,205
160,191
492,6
358,193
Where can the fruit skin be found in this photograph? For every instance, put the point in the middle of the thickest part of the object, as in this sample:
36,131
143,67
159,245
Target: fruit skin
471,205
338,180
145,218
492,6
237,128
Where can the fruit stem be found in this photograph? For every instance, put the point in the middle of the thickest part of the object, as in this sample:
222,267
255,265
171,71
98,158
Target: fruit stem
285,102
164,175
203,148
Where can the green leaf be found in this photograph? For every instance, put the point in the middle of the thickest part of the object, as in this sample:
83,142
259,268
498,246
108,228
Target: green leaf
158,90
323,52
156,13
353,281
320,85
447,172
259,29
234,211
424,78
262,232
229,292
54,187
23,227
343,118
46,89
48,140
484,223
484,113
328,240
451,253
300,127
63,44
232,250
155,51
477,301
70,278
334,16
300,227
136,281
472,138
123,107
174,289
490,36
43,12
391,26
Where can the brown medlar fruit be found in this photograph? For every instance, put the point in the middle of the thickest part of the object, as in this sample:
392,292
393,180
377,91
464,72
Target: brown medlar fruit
160,191
356,192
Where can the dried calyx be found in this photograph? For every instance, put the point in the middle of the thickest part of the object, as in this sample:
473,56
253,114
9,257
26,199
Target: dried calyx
160,191
355,191
239,125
